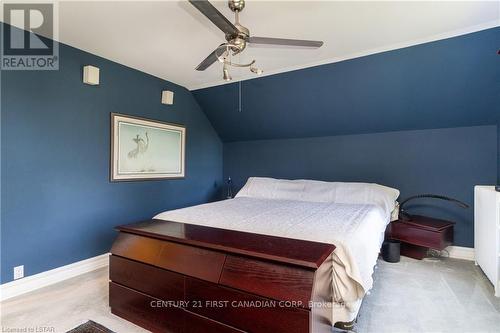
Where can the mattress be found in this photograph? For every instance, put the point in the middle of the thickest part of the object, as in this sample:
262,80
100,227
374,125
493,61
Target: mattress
355,229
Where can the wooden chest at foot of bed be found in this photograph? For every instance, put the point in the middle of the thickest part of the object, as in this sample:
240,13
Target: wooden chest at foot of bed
176,277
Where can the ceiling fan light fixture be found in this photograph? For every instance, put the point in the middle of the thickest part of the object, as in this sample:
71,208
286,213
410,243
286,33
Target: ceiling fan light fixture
226,76
256,70
225,73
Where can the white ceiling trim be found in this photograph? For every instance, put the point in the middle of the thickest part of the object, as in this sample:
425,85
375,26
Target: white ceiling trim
455,33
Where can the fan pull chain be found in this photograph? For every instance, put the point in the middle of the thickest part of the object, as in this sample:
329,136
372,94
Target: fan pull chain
239,95
239,83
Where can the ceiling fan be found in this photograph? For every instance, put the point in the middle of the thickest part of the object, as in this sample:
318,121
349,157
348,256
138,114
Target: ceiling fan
237,38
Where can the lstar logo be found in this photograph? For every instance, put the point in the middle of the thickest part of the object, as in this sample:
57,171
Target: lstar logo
28,35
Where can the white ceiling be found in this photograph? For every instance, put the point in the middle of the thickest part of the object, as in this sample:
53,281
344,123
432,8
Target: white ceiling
169,38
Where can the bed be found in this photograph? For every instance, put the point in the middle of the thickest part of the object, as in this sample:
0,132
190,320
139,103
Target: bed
351,216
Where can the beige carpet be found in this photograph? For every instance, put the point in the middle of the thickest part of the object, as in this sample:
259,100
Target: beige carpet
410,296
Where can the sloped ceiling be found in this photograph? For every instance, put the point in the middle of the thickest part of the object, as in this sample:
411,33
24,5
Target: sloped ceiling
169,38
448,83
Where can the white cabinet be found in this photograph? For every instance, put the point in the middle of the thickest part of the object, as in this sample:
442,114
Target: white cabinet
487,233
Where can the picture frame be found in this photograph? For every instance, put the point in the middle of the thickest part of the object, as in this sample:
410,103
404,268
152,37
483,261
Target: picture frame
146,149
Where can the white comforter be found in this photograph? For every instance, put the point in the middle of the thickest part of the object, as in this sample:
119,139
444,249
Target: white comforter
355,229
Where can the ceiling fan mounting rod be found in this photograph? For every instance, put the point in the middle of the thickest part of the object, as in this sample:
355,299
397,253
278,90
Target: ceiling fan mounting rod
236,5
240,38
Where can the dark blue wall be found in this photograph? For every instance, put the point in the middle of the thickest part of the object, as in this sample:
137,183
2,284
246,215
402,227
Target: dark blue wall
442,161
448,83
445,84
58,205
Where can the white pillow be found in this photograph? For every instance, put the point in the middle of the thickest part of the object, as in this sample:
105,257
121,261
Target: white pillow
318,191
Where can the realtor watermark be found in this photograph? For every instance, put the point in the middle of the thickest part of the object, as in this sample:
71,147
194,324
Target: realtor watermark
242,304
29,329
28,36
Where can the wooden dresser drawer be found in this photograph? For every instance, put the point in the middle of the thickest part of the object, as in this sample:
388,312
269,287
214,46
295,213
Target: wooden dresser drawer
244,311
147,312
145,278
193,261
271,280
137,308
138,248
189,260
198,324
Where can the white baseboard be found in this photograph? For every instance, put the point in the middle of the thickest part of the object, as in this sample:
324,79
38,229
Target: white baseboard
459,252
37,281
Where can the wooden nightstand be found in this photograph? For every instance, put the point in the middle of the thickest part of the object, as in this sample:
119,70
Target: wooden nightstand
420,234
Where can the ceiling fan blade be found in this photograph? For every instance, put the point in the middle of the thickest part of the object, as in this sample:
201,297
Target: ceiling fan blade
207,9
285,42
208,61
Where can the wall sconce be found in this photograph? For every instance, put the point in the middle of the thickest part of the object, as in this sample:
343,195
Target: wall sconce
167,97
91,75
